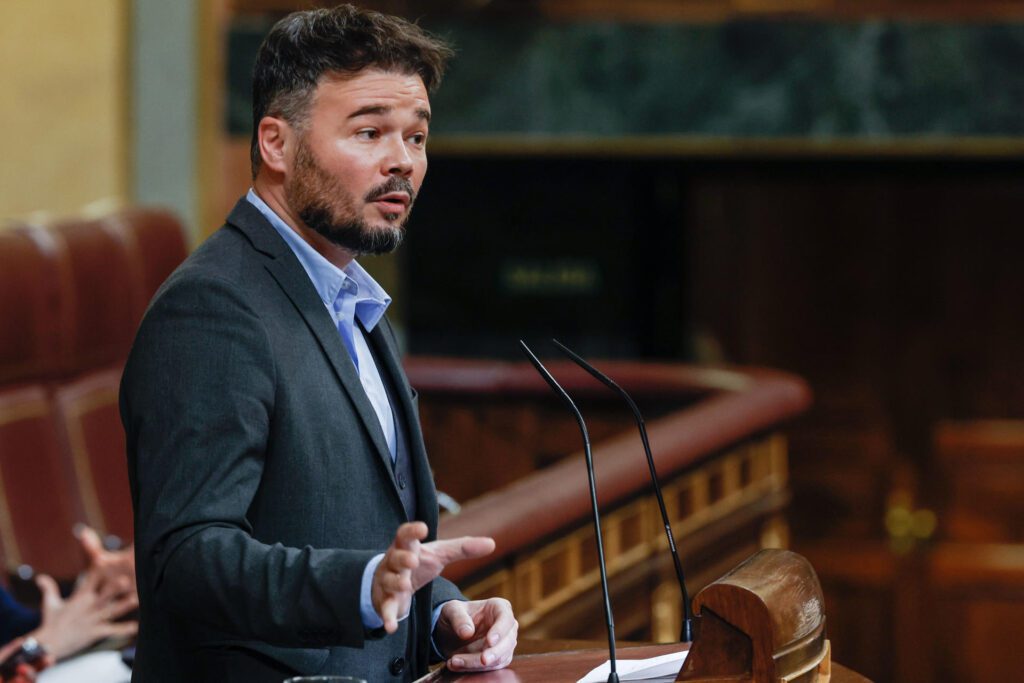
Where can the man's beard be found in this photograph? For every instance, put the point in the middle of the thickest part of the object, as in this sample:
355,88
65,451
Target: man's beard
326,207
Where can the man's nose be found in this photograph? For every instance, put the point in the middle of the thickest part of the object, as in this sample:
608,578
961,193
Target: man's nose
397,160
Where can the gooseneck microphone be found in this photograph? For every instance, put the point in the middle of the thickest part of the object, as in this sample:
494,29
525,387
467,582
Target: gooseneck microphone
613,676
687,630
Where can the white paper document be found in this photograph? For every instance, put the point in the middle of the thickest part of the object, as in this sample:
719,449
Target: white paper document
92,666
663,669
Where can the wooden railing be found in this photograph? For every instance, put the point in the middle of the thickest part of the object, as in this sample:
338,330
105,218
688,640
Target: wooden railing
719,452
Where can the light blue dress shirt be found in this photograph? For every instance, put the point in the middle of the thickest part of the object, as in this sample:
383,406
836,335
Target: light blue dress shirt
349,294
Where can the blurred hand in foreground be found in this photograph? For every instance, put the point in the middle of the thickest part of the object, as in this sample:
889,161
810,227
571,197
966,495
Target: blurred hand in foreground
87,616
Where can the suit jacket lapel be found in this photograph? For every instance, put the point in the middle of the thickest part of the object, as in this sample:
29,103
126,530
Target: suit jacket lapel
382,338
292,278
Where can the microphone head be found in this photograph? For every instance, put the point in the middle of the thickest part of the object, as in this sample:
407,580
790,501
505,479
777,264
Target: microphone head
548,377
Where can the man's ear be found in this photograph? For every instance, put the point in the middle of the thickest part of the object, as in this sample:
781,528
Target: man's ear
275,137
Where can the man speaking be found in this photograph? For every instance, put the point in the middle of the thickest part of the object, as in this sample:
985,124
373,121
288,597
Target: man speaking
274,449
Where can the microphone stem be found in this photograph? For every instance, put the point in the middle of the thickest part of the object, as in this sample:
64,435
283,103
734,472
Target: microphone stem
613,676
687,628
686,635
601,565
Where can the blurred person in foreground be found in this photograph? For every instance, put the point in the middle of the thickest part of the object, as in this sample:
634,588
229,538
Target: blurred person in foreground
64,627
285,510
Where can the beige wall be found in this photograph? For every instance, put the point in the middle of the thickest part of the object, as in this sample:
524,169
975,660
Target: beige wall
64,107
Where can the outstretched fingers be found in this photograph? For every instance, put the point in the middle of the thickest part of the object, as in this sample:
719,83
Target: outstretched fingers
409,535
121,606
120,629
393,580
90,542
464,548
473,658
389,613
50,592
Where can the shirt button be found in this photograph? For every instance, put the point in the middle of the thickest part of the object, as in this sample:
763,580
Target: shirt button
401,481
397,666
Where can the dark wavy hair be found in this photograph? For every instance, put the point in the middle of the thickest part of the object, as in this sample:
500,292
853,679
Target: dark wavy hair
304,46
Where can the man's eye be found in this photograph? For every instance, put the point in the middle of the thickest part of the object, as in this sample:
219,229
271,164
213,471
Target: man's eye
367,134
418,138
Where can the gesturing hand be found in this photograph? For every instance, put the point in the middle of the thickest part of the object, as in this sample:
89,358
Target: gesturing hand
117,566
408,565
477,636
89,614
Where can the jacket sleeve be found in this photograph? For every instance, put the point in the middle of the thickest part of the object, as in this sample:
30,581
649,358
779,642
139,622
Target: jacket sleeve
442,590
197,399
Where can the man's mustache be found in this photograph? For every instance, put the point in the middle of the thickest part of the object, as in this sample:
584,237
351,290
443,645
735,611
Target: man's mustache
393,184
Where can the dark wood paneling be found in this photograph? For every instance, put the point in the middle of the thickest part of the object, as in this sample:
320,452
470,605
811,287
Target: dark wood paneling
982,467
891,286
975,612
894,288
482,444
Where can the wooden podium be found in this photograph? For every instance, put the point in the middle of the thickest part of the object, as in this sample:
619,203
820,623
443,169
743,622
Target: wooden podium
762,622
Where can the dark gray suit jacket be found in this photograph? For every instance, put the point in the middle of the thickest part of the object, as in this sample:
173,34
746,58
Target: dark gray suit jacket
260,477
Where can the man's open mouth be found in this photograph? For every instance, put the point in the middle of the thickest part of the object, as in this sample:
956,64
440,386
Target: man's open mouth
396,200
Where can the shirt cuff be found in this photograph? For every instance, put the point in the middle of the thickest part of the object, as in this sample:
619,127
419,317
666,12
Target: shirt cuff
371,620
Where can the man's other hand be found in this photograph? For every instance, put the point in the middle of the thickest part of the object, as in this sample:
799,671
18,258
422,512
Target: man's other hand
408,565
113,566
477,636
88,615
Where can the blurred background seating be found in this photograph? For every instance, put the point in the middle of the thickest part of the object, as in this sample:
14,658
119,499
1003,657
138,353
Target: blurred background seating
72,295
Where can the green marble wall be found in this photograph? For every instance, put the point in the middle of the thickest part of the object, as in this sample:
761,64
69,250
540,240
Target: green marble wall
754,79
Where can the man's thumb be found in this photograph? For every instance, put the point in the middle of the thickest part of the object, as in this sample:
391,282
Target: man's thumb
461,623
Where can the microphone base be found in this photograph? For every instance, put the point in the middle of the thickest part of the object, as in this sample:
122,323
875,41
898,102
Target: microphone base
687,635
613,677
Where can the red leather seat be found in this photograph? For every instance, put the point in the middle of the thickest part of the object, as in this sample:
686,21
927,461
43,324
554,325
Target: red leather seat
91,434
37,507
156,243
31,307
97,272
71,298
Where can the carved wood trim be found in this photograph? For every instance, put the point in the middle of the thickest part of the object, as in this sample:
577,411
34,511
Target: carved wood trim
552,573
